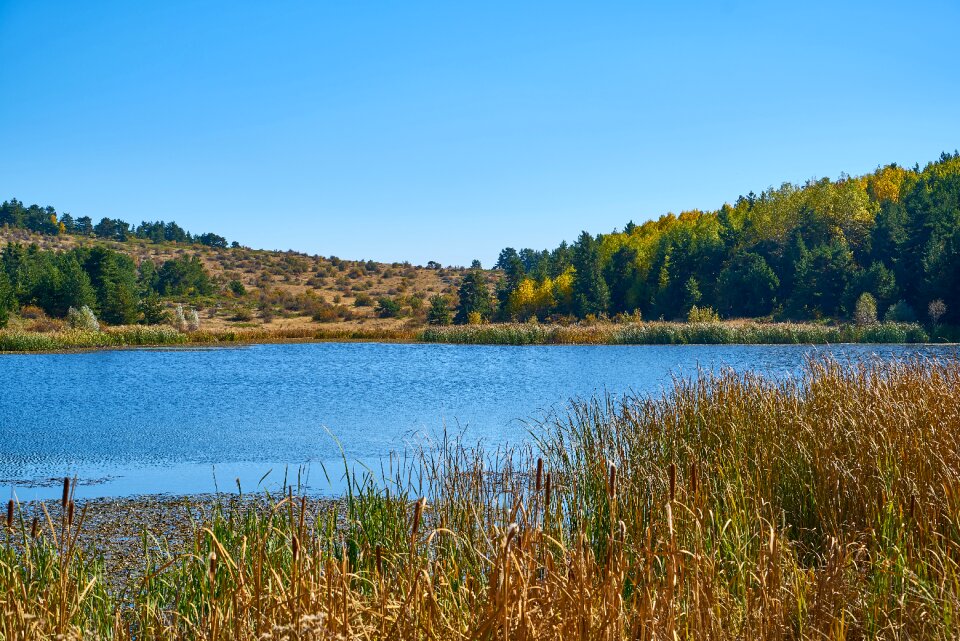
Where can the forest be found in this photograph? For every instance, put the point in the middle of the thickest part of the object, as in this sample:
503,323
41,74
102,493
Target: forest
886,244
105,281
46,220
882,246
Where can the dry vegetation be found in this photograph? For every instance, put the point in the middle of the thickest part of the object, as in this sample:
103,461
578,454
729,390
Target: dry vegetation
297,289
730,508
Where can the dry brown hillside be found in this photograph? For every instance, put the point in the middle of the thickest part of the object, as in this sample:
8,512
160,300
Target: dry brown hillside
286,289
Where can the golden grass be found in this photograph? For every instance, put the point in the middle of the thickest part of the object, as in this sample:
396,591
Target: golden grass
730,508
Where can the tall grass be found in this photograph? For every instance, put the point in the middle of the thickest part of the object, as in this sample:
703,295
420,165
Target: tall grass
666,333
731,507
122,336
162,335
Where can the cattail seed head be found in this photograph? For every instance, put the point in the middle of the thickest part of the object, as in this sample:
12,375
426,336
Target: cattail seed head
212,566
10,515
66,492
672,471
35,528
539,474
613,481
70,509
913,505
512,531
417,514
295,547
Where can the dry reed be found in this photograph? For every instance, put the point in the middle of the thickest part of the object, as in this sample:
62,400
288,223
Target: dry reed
824,507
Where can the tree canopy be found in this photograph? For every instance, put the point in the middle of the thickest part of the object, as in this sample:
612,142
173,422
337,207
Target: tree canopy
791,252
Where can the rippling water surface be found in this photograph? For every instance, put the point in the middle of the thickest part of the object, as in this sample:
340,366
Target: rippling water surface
184,421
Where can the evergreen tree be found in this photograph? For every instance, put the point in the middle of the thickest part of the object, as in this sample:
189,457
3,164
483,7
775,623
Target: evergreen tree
590,293
152,309
7,300
748,286
75,288
474,296
439,312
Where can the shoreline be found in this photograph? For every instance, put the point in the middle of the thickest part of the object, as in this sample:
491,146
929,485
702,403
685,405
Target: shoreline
114,528
513,334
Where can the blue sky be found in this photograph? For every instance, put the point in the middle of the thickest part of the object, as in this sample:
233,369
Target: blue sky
445,131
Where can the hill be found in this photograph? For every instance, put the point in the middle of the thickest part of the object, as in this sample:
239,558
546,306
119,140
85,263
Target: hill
272,289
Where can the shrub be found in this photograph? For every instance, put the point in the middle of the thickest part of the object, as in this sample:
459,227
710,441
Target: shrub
702,315
866,310
900,312
242,314
237,288
179,320
193,320
363,300
83,319
936,309
387,307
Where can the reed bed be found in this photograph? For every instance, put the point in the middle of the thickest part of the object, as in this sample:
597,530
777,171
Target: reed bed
162,335
730,507
260,335
646,333
668,333
120,336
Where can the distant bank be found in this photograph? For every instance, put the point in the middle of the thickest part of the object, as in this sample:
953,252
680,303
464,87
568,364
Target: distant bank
639,333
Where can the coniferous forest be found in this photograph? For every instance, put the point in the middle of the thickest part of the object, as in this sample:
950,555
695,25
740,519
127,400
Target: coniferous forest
889,240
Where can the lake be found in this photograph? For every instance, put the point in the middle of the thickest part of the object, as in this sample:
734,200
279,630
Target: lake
189,421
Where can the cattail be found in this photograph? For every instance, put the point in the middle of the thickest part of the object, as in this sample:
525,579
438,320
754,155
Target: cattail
379,560
612,489
913,506
672,471
693,478
546,494
212,567
417,513
66,492
511,533
295,547
539,474
10,515
70,509
35,528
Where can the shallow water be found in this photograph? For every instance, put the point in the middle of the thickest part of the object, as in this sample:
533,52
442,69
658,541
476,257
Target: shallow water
188,421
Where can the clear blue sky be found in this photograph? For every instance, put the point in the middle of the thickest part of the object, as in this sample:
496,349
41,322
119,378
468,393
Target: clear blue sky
413,130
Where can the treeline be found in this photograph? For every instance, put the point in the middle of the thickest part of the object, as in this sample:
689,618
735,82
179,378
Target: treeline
885,244
46,220
111,284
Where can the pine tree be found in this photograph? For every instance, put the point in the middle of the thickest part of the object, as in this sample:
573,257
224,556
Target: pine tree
6,297
474,297
590,293
439,312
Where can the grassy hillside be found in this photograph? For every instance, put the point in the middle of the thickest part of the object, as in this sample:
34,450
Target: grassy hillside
284,290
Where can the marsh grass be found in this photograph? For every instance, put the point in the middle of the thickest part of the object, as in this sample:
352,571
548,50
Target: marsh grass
668,333
731,507
644,333
162,335
121,336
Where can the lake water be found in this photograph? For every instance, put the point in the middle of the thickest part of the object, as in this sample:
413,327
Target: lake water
186,421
